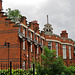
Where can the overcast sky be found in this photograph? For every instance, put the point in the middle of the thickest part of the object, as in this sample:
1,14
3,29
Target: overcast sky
61,13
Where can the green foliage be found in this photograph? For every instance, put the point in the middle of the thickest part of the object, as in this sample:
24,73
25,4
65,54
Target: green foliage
48,57
57,66
13,14
53,66
17,72
69,70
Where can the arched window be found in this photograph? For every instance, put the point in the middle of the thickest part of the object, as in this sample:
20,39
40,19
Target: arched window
47,30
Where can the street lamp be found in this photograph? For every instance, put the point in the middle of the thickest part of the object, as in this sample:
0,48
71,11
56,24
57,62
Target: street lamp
33,69
7,44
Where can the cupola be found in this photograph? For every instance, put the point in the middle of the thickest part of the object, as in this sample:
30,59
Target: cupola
48,30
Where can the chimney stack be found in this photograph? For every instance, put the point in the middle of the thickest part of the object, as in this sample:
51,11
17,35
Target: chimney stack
64,34
34,21
42,32
0,5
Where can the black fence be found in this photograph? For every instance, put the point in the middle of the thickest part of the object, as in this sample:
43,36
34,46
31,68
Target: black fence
7,68
5,65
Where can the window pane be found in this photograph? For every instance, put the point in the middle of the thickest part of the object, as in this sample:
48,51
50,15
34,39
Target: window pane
31,35
56,46
31,47
31,65
37,50
50,45
69,52
24,65
24,32
64,51
37,39
23,45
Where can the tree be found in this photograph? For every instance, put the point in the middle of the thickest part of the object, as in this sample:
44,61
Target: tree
50,64
14,15
48,57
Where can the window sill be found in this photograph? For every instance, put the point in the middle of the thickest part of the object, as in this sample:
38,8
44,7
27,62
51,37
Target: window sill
64,58
24,49
38,54
70,59
32,52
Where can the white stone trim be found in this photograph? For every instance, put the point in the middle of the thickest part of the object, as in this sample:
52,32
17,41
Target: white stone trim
59,42
31,48
27,55
67,44
42,37
31,30
52,40
37,34
23,25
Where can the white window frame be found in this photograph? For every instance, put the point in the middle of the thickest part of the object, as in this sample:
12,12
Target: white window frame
23,45
31,48
24,64
69,52
37,39
64,52
31,35
23,31
50,44
56,46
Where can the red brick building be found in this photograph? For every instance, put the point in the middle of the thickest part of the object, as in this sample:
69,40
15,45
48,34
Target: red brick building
21,42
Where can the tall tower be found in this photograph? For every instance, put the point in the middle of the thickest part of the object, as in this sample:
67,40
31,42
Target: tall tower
0,5
47,28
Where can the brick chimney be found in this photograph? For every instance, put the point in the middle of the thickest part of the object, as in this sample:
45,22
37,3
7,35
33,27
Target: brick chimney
34,21
42,32
64,34
0,5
